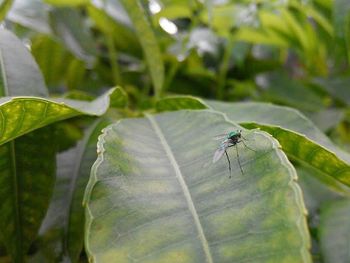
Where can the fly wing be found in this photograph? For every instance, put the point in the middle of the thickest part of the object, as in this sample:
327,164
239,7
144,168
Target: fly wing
220,151
220,137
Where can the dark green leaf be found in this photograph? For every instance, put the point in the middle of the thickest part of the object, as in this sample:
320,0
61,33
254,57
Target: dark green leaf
62,231
27,174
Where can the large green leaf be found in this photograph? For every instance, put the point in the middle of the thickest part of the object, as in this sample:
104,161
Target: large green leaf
148,41
155,196
20,115
27,174
19,74
335,232
62,231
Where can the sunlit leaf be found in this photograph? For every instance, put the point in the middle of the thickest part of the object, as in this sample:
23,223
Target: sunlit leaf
19,115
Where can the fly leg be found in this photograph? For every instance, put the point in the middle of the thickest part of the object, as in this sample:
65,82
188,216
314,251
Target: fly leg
229,163
245,145
239,162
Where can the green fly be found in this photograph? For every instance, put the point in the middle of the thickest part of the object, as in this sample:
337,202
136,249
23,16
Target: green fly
229,140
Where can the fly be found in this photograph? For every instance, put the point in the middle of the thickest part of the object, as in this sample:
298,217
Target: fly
231,139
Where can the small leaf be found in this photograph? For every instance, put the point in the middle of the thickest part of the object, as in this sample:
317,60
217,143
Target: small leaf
155,196
179,103
119,98
335,232
20,115
148,42
4,8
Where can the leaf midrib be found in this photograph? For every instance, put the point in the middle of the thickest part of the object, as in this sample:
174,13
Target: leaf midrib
17,210
184,188
4,92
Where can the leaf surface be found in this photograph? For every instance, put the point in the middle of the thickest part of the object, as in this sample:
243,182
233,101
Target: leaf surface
155,196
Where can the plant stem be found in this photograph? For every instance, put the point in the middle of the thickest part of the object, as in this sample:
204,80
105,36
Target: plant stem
113,58
221,79
171,74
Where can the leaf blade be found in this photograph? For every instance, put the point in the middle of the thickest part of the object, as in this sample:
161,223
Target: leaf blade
137,210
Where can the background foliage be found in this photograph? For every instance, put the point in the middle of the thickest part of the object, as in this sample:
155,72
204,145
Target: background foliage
70,68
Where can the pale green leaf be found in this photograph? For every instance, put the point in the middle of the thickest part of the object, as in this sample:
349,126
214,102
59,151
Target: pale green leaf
155,196
335,232
32,14
19,74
